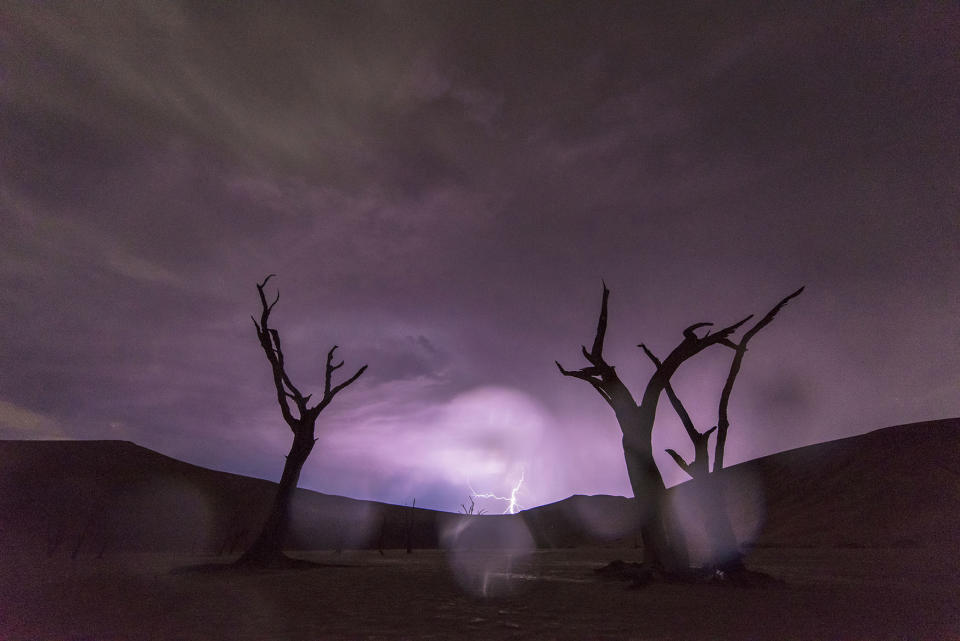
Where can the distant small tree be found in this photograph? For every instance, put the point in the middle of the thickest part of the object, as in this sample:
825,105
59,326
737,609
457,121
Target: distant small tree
383,528
472,509
267,548
663,543
411,518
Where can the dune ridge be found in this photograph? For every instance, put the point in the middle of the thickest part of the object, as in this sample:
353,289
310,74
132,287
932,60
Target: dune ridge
892,487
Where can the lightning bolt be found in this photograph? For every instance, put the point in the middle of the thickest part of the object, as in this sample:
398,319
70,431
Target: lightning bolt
512,505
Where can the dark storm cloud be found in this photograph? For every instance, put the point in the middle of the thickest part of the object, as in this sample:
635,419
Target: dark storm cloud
440,188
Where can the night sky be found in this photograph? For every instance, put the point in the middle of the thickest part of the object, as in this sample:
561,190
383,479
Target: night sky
440,189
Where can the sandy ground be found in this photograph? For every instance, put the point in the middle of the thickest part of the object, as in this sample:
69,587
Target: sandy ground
826,594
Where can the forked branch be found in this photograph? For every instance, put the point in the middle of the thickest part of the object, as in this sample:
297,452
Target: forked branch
286,390
328,391
700,440
690,346
600,374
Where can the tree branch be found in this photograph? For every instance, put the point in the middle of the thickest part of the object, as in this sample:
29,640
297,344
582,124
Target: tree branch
689,332
265,314
600,374
267,336
272,347
347,382
680,462
596,351
701,455
328,371
587,374
329,390
763,322
295,393
675,400
740,350
690,346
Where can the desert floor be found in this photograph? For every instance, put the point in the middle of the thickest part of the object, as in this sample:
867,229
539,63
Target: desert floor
825,594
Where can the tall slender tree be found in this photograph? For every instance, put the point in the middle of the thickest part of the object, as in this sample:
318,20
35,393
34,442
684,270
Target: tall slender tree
267,548
664,547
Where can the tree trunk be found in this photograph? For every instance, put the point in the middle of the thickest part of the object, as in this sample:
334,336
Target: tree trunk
664,545
268,546
726,554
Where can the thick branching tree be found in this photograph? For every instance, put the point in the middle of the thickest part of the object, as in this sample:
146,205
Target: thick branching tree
267,549
663,542
710,491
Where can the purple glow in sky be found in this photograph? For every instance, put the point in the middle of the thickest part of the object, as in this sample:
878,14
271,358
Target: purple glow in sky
440,188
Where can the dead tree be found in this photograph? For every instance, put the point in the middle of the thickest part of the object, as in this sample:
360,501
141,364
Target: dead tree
472,510
411,517
663,543
267,548
383,527
709,491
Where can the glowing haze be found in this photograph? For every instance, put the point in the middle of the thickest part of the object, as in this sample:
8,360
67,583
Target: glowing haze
440,188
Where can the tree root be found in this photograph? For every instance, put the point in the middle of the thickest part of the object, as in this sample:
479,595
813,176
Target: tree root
249,564
640,575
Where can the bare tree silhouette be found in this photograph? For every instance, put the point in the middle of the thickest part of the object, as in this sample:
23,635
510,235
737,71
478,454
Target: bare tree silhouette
267,548
472,510
411,518
710,491
663,544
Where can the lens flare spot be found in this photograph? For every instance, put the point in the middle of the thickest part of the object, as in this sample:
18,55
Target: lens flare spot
485,552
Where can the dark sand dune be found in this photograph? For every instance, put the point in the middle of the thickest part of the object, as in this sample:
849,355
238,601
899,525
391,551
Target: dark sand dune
898,486
893,487
859,533
103,496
